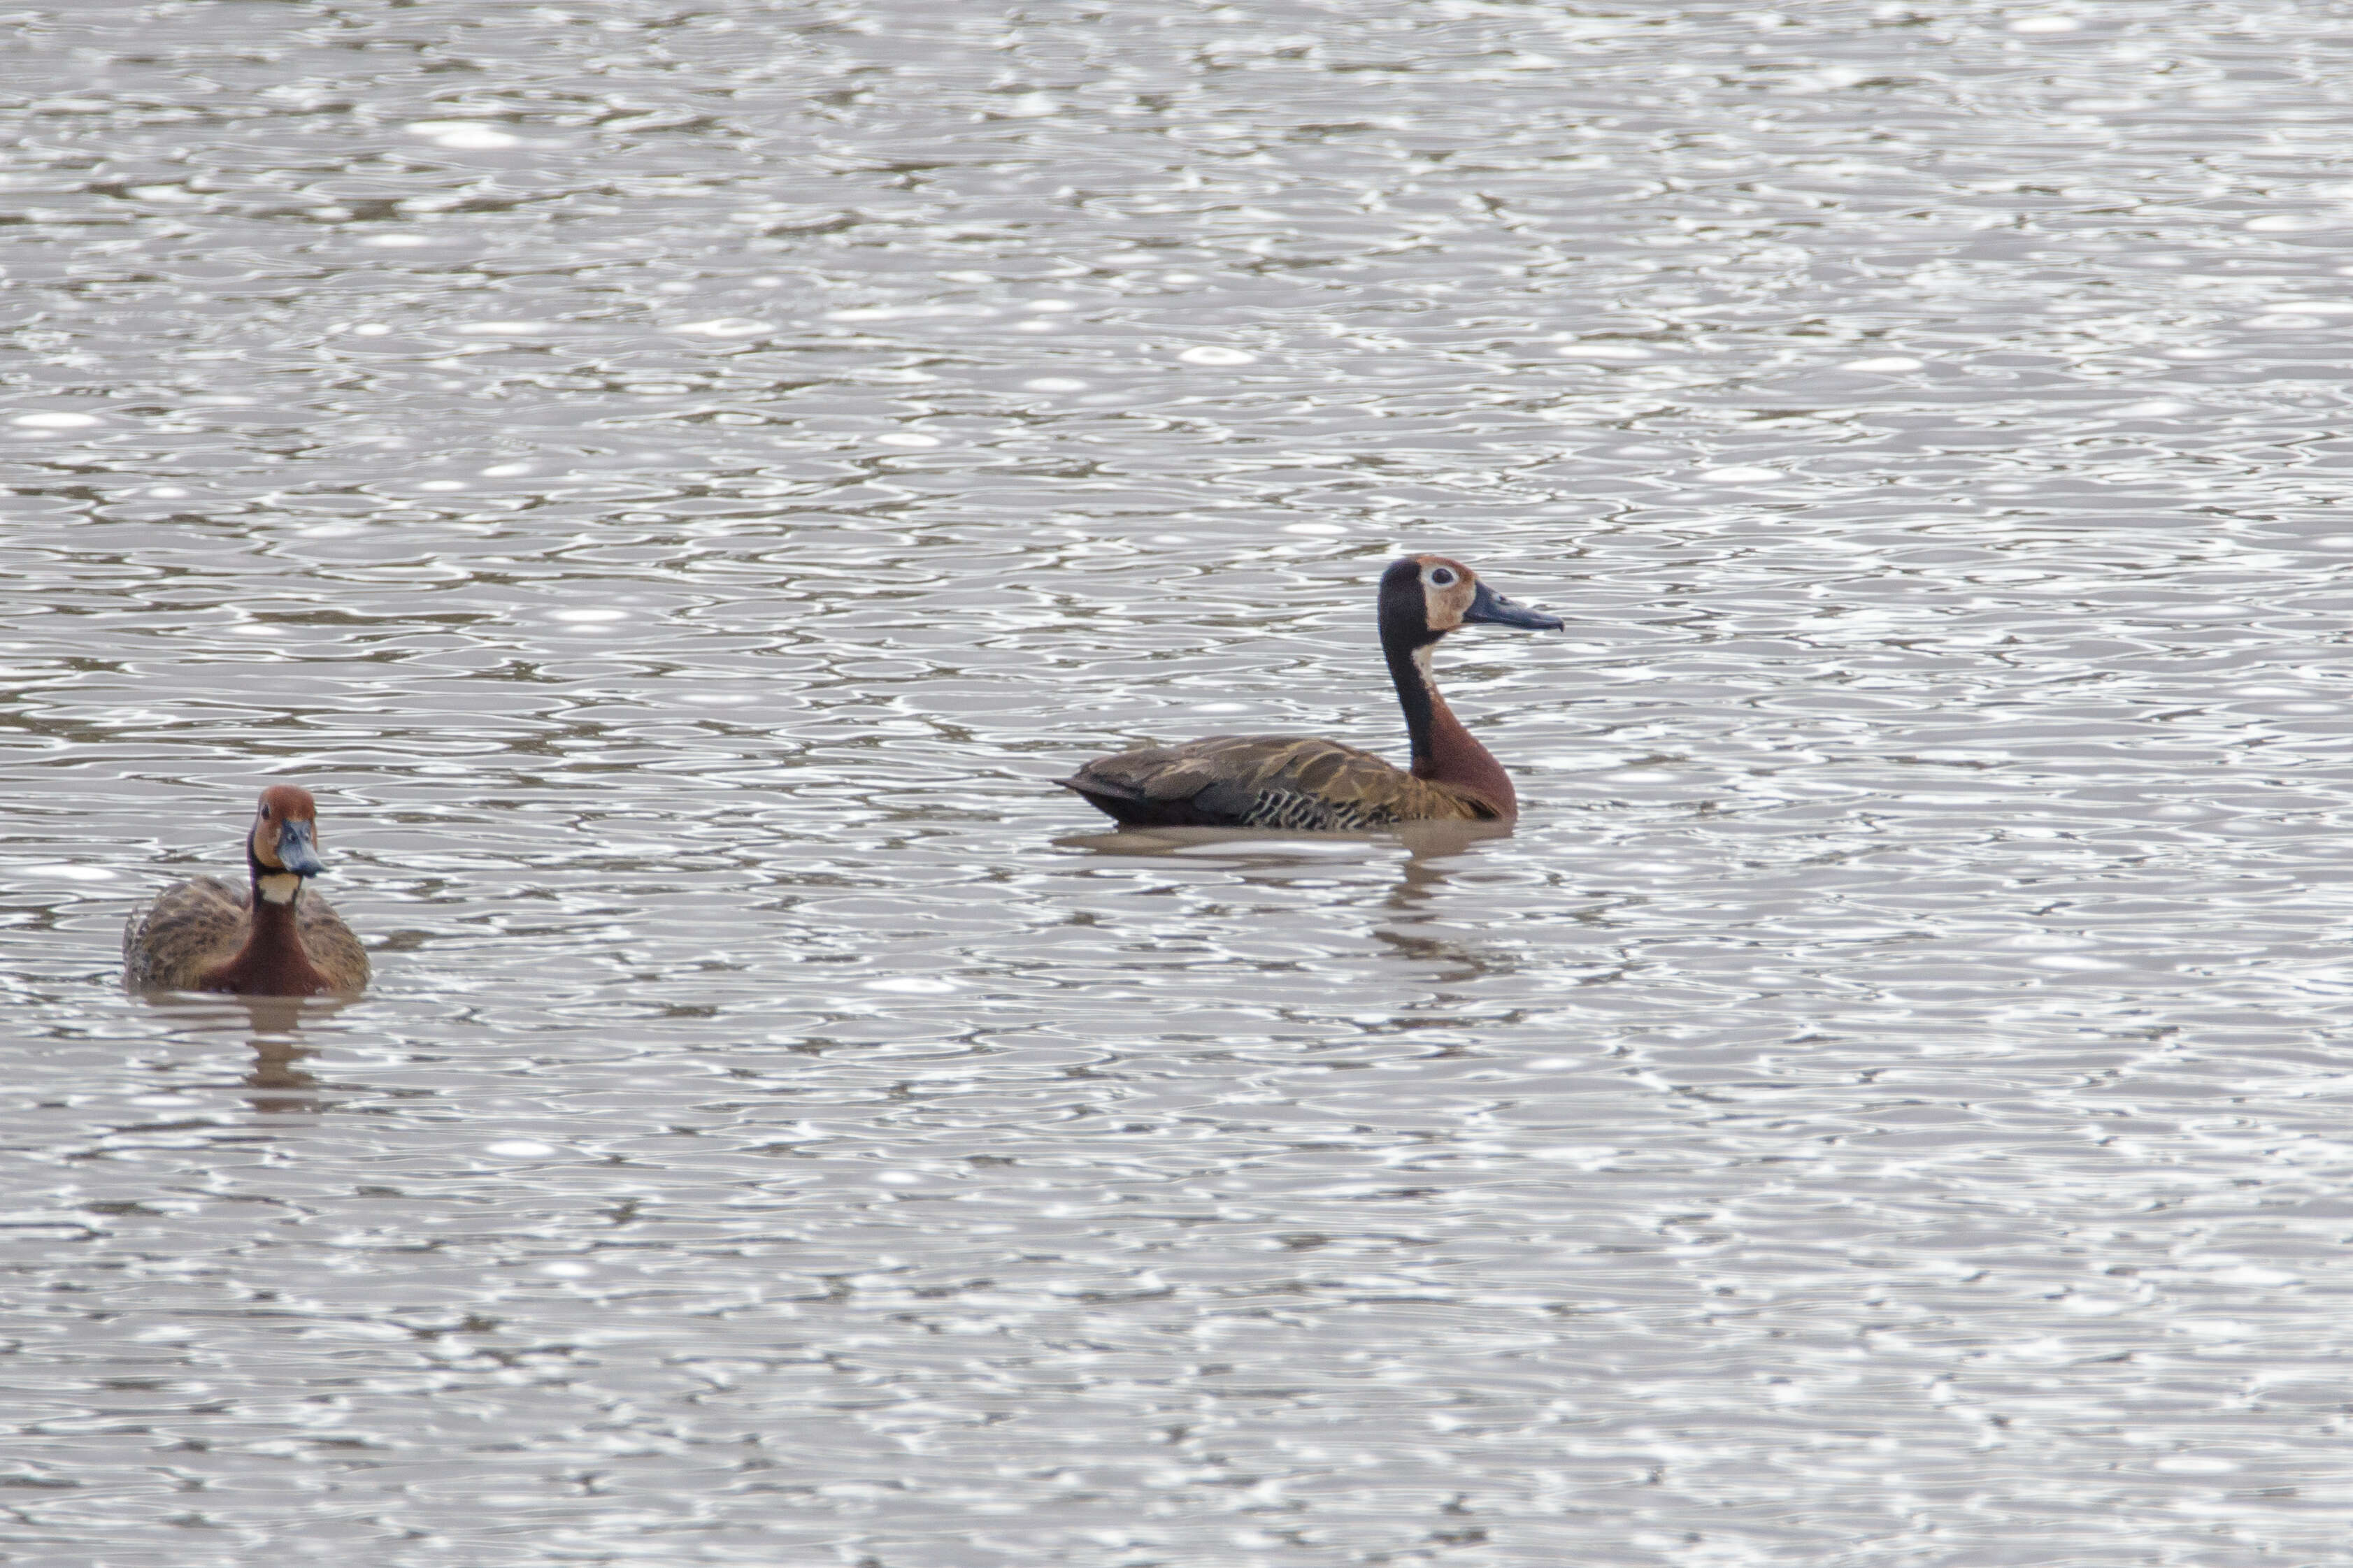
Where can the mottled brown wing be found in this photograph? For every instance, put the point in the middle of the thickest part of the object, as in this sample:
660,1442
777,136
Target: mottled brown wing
1263,781
336,953
190,928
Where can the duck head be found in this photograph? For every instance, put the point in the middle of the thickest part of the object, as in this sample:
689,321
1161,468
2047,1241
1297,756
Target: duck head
283,847
1423,597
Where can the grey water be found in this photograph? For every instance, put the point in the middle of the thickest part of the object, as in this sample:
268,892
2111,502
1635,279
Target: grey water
678,482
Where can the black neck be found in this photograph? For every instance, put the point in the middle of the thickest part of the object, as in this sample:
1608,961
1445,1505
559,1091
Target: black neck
1414,695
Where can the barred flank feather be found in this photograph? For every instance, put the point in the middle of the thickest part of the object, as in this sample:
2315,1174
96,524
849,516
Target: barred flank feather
1265,780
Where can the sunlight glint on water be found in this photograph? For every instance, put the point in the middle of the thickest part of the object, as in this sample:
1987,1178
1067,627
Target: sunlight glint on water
678,484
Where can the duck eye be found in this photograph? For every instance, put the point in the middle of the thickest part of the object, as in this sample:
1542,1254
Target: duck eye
1439,577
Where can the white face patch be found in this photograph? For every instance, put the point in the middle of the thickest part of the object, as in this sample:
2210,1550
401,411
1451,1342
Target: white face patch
1442,607
279,887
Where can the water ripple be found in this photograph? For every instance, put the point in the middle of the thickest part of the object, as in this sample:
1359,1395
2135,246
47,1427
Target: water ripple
678,484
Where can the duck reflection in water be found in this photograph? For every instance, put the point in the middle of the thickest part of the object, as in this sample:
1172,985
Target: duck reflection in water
272,1027
1434,851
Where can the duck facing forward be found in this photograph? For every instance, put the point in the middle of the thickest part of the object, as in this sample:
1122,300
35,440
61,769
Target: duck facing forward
1283,781
271,939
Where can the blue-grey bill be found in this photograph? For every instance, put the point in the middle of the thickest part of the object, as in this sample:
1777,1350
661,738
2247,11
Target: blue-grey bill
296,852
1492,608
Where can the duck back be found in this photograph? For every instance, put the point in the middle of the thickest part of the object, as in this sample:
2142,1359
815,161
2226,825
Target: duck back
1301,783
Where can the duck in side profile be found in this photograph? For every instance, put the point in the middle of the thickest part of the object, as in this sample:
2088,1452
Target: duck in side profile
1281,780
273,939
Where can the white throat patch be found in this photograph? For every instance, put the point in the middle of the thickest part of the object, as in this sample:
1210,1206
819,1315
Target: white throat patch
1421,661
279,887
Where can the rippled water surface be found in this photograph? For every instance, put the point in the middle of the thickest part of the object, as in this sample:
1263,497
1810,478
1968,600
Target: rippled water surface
678,482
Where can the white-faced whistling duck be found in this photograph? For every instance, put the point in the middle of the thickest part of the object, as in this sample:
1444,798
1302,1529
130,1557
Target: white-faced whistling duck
272,938
1281,780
